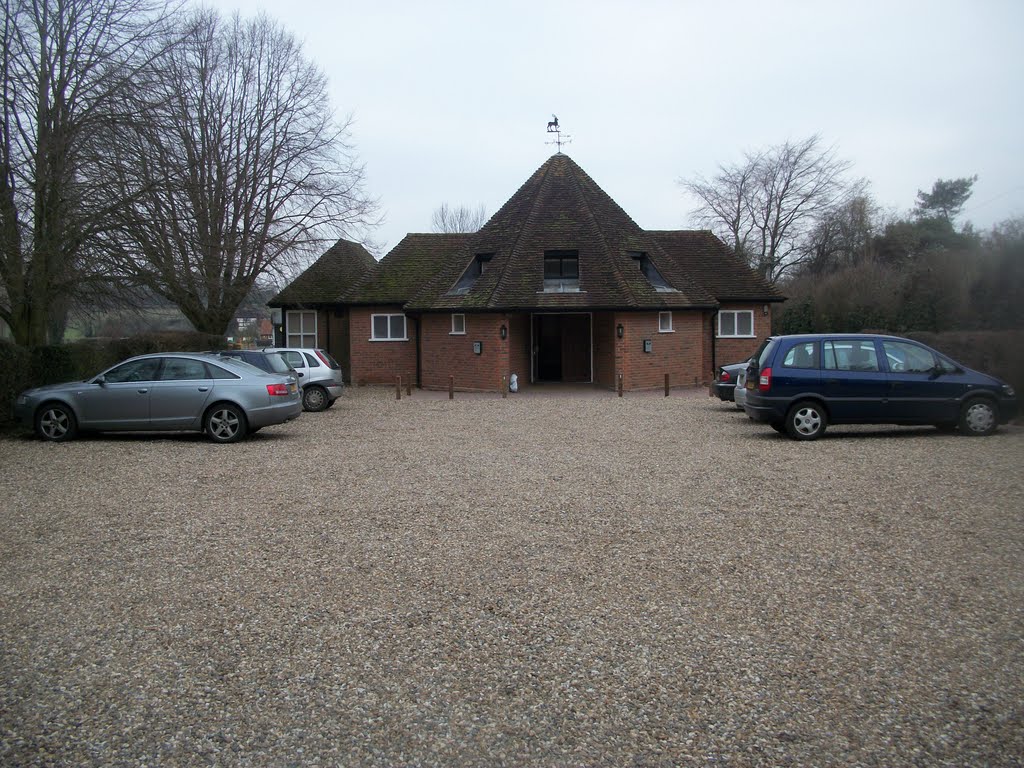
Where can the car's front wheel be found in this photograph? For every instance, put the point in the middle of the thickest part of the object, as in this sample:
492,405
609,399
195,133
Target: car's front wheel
56,422
225,423
806,421
314,398
978,417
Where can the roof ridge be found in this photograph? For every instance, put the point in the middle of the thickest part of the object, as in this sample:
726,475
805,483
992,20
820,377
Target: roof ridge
616,267
530,218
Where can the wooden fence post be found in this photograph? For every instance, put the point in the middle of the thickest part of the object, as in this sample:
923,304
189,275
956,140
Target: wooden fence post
666,385
504,388
451,387
620,385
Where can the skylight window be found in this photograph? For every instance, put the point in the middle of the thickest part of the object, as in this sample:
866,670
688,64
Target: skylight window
651,272
476,268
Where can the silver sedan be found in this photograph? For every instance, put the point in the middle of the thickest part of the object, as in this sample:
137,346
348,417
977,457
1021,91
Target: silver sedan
174,391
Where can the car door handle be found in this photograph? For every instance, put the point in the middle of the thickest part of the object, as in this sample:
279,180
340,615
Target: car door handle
204,389
143,391
831,381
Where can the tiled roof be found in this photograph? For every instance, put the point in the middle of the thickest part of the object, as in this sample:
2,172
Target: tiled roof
327,278
710,262
560,208
415,261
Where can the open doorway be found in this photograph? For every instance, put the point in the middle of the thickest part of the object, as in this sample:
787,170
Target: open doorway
562,349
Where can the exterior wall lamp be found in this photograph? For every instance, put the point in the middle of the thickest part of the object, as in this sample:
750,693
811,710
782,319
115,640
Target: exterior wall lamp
764,310
504,331
620,331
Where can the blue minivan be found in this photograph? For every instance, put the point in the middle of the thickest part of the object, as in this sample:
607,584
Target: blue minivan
801,384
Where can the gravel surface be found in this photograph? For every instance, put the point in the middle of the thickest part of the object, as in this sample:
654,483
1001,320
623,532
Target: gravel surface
549,580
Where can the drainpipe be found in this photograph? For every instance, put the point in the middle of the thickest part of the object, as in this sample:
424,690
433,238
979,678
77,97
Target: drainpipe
419,355
714,363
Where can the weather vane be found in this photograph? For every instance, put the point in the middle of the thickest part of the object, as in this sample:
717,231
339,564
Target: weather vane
559,138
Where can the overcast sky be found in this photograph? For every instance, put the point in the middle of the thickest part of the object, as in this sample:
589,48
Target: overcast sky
451,99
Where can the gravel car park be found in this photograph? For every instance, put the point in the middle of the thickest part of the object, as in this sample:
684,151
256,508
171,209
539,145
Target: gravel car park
536,580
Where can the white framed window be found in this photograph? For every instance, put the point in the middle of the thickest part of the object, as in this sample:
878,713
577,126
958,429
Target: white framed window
458,325
387,328
664,322
300,328
736,323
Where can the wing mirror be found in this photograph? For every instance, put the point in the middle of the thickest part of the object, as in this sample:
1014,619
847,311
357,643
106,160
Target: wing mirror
101,380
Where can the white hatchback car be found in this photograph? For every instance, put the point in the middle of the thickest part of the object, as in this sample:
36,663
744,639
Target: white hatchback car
319,375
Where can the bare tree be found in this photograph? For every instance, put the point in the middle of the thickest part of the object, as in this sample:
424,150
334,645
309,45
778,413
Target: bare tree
237,168
768,205
460,219
844,236
66,66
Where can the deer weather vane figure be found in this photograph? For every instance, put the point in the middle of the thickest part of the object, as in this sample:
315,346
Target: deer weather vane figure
559,138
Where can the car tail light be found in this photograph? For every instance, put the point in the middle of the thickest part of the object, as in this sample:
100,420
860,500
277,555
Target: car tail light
764,380
277,390
725,376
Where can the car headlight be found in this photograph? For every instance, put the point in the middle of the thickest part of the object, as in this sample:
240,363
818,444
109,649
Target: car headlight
22,399
1008,390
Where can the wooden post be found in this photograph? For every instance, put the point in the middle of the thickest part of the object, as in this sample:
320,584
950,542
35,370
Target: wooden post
620,385
398,387
504,388
408,387
666,385
451,387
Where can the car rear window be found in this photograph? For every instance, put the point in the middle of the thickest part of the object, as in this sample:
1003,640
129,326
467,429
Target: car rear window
216,372
326,356
276,362
766,353
238,365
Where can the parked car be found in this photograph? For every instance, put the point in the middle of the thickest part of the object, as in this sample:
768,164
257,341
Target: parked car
175,391
801,384
724,385
319,375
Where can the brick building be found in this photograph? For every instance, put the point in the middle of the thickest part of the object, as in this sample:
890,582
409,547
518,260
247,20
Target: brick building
560,285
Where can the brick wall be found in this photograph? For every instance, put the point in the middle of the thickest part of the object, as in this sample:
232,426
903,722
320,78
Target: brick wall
519,343
444,354
378,362
679,353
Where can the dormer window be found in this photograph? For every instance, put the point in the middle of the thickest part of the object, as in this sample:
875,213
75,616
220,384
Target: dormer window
651,272
561,271
476,268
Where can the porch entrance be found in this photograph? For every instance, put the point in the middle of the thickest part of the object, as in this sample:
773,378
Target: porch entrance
563,347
